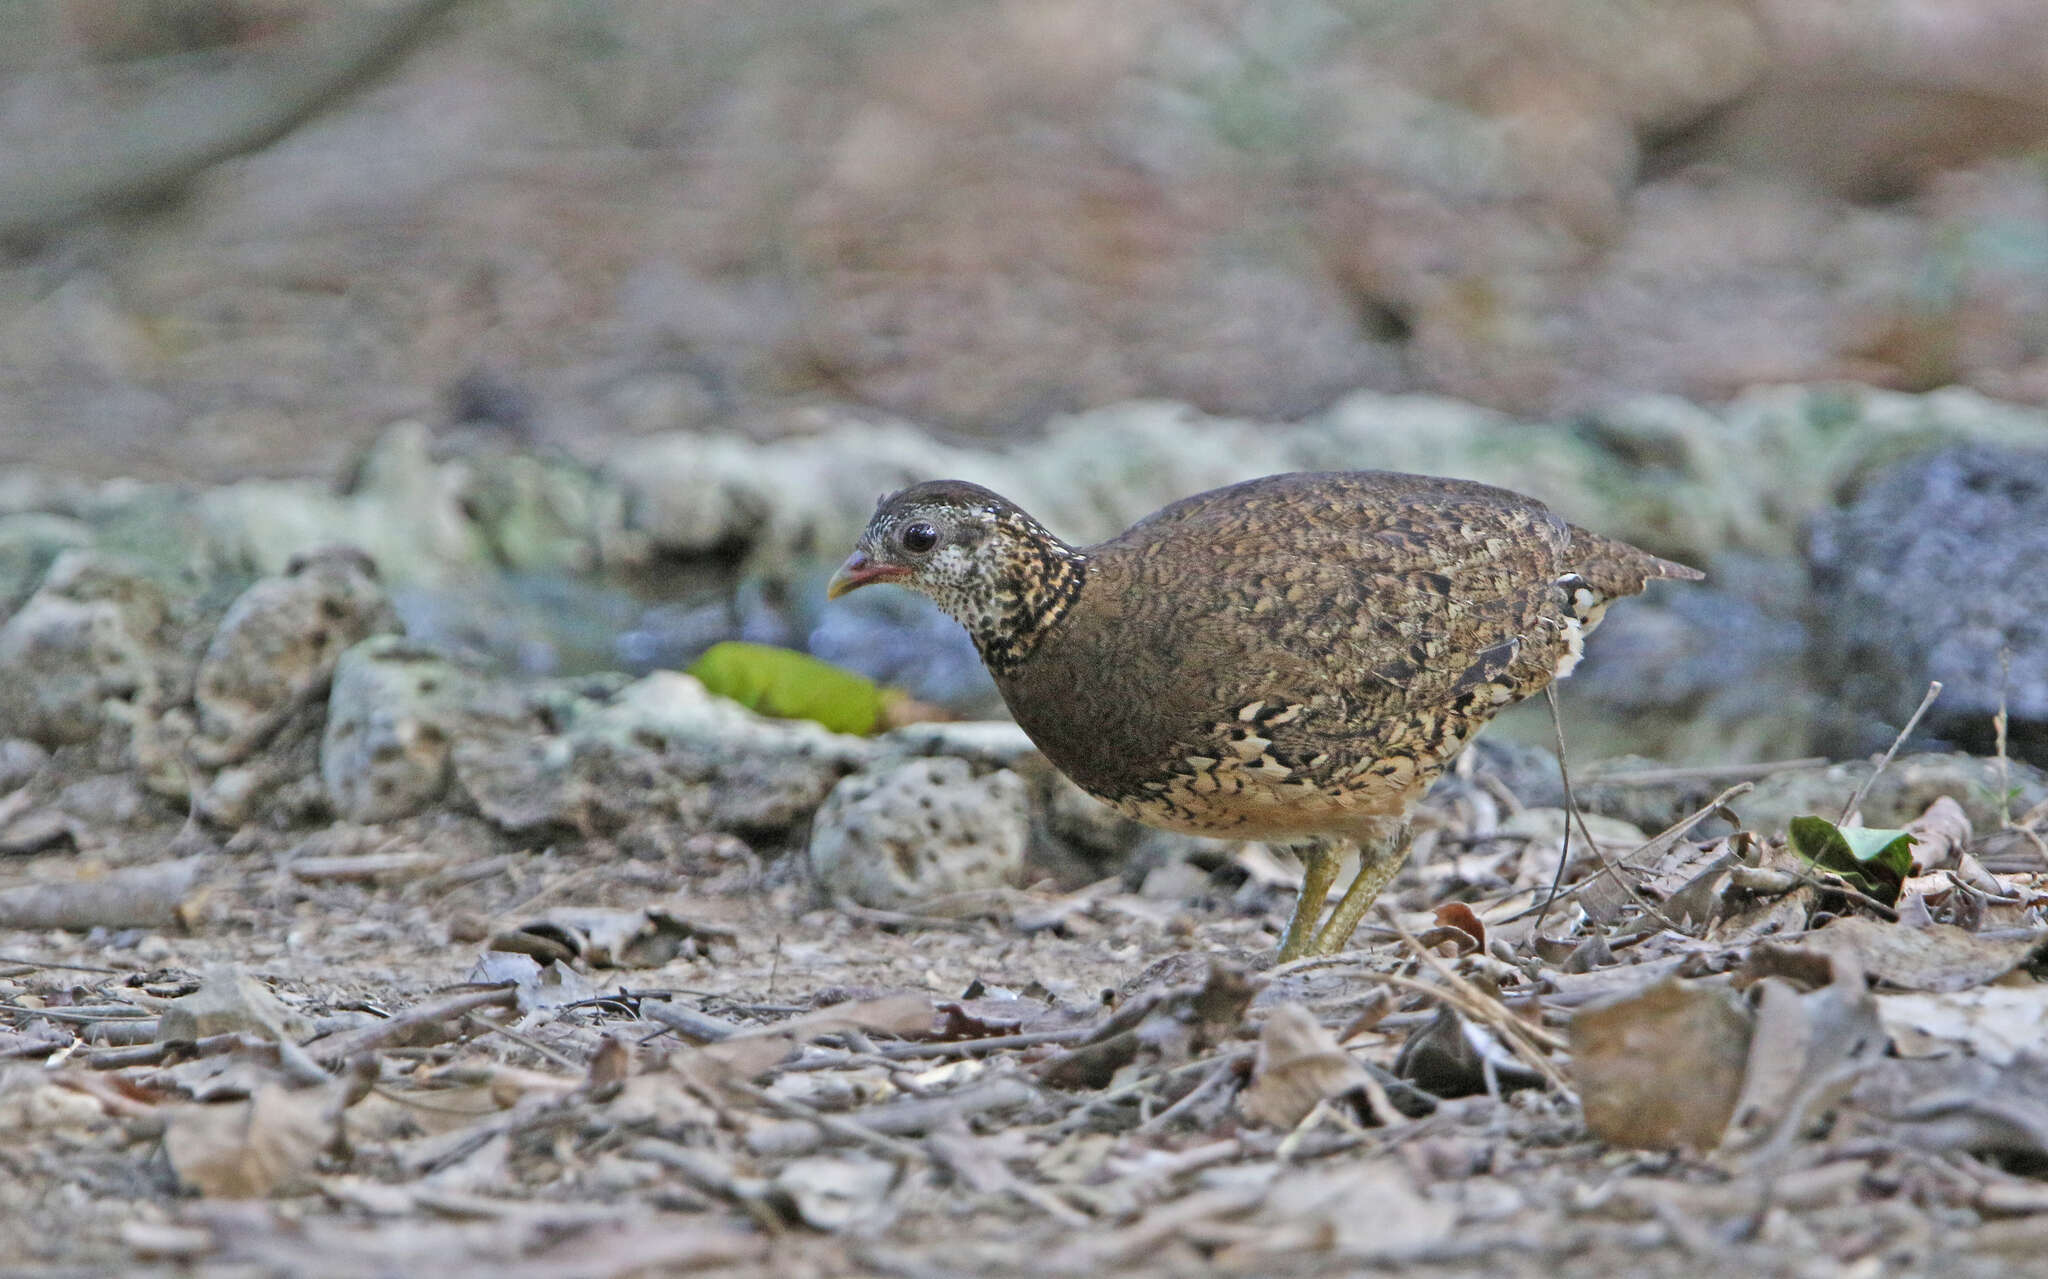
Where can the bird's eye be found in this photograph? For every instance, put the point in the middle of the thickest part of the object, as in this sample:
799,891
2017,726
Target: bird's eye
919,537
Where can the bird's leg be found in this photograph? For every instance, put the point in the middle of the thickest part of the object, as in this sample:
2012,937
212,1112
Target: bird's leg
1378,860
1319,864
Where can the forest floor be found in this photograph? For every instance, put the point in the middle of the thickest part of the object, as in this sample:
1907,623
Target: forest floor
424,1047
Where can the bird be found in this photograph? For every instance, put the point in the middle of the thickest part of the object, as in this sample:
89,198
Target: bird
1292,659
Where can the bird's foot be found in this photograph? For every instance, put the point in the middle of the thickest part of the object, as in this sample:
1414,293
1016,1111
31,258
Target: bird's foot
1319,865
1378,862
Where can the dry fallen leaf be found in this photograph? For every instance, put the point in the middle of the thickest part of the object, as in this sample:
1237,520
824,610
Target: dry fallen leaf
1938,957
1459,916
1995,1023
247,1150
835,1193
1662,1068
1299,1065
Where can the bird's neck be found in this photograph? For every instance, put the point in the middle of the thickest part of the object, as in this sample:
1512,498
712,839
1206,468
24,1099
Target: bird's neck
1034,582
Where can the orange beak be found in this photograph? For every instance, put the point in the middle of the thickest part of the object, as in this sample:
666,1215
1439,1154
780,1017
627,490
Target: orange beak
860,569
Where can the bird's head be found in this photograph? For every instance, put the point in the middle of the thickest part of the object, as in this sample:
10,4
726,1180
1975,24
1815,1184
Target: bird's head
973,553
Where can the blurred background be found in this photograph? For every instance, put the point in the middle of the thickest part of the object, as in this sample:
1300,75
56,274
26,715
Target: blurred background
601,323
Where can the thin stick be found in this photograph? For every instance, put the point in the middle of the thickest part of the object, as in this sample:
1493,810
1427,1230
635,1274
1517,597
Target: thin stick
51,963
838,1125
1998,727
1571,813
1662,839
526,1041
1214,1080
1571,806
1520,1037
1856,800
1477,1008
347,1043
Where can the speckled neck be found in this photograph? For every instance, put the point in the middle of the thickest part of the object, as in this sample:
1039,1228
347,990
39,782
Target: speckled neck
1021,583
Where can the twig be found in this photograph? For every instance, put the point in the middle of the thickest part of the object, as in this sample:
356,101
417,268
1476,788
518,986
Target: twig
347,1043
1519,1036
51,963
526,1041
1572,813
981,1047
1571,808
839,1125
689,1023
1479,1007
113,1012
1998,728
1856,800
1661,840
1211,1082
1088,1109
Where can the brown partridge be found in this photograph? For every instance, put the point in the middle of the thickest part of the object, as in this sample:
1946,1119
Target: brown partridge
1292,659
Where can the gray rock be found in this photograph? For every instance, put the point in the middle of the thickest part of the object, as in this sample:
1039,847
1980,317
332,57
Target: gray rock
392,718
29,543
1937,571
20,761
900,835
275,651
90,635
660,749
1900,794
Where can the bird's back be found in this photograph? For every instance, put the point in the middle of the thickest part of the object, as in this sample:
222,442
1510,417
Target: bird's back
1280,655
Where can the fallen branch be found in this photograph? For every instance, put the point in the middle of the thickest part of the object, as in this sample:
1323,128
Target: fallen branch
345,1044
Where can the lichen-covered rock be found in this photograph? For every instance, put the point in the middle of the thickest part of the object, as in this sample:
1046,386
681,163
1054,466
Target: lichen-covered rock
1939,571
660,749
899,835
1657,471
274,652
91,635
392,718
425,519
29,543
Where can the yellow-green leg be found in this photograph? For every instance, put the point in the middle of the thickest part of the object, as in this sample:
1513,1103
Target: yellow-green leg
1378,862
1319,864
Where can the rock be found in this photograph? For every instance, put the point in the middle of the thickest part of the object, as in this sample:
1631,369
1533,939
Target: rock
91,634
275,651
1938,570
425,519
661,748
1708,671
900,835
995,743
29,543
107,799
392,719
20,761
230,1001
1901,794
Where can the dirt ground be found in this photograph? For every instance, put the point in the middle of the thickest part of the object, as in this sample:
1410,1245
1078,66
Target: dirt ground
425,1046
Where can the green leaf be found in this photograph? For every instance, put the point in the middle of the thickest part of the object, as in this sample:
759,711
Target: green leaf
1874,861
791,685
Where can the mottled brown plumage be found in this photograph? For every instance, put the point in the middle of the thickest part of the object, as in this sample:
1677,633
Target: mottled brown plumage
1294,658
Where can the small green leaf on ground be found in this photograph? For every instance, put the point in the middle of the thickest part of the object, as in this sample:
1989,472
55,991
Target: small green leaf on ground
791,685
1874,861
